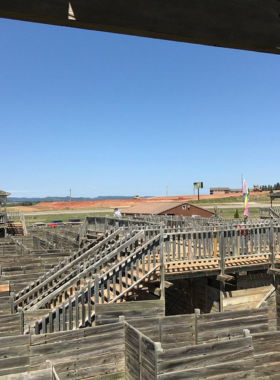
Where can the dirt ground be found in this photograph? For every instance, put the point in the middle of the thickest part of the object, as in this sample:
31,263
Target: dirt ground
111,203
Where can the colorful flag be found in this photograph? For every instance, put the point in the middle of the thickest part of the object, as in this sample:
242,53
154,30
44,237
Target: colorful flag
245,192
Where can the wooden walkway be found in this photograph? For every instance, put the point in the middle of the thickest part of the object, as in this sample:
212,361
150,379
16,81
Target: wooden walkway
125,258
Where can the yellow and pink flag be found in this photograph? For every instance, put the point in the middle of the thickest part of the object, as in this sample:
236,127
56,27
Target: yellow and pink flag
245,192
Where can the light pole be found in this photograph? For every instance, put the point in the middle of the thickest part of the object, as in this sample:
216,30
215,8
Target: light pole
70,198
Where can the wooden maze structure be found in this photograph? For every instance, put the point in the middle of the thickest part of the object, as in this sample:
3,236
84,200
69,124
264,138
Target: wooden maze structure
141,298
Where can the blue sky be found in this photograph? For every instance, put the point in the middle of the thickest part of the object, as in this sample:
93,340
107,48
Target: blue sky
107,114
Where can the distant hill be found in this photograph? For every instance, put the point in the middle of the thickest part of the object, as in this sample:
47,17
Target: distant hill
66,199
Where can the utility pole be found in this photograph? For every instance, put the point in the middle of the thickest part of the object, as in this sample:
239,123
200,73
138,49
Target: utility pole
70,198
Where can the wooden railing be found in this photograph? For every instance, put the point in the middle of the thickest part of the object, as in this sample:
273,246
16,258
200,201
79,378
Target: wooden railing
84,272
23,298
197,245
116,282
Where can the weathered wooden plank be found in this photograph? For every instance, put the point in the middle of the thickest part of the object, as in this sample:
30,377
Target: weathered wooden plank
130,310
44,374
16,361
88,360
95,372
246,367
232,314
234,323
76,334
11,351
64,346
16,370
266,342
206,359
204,349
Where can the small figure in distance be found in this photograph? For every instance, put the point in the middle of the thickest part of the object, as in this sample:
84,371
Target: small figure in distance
117,213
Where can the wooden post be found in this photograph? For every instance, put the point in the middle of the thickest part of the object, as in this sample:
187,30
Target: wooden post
77,309
222,253
20,310
57,319
160,329
70,314
271,245
222,292
51,321
196,314
96,289
157,348
12,300
89,302
64,327
162,264
83,306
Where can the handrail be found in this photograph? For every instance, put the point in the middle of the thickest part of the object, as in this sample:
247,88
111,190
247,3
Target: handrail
60,269
82,297
92,267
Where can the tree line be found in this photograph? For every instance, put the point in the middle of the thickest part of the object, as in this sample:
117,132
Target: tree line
270,187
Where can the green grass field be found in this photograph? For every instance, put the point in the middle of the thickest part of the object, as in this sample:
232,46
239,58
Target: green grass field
261,198
228,213
30,219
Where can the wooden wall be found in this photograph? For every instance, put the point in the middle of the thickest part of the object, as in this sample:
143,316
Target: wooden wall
11,324
189,294
110,313
5,305
227,325
217,360
14,354
267,355
205,297
171,332
140,355
94,352
147,359
178,298
176,347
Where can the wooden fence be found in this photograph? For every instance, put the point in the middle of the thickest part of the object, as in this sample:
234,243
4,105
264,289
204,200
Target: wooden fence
149,347
146,359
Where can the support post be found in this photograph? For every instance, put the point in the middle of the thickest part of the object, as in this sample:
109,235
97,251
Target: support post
222,253
271,245
196,314
12,300
162,264
96,289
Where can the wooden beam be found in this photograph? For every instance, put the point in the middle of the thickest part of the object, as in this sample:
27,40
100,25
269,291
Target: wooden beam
248,25
274,271
224,278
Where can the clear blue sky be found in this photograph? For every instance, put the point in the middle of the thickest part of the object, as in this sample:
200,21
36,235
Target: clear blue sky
107,114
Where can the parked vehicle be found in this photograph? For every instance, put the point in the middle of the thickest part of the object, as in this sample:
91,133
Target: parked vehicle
55,223
74,221
39,224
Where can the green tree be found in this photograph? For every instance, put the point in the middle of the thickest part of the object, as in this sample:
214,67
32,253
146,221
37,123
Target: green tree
236,214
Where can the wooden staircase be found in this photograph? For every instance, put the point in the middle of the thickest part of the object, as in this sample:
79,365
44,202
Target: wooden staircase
115,277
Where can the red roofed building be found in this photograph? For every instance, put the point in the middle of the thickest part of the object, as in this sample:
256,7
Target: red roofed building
167,208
